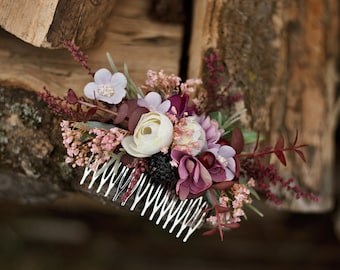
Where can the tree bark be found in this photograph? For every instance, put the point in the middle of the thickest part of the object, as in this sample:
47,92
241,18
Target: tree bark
282,56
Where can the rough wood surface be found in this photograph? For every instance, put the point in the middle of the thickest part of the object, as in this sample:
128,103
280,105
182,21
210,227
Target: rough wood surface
48,23
31,153
282,56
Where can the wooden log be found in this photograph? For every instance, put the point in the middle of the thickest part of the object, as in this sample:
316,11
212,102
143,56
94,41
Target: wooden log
282,56
48,23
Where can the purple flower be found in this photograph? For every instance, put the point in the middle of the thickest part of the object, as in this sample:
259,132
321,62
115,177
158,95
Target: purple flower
216,169
153,102
212,132
225,155
107,87
194,178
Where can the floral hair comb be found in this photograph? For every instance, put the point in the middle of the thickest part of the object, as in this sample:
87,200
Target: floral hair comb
163,151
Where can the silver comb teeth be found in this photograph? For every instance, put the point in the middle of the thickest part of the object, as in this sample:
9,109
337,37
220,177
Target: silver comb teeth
113,178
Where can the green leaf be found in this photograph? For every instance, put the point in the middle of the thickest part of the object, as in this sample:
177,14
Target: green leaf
218,116
209,197
95,124
251,137
254,193
257,211
111,63
132,90
86,137
227,125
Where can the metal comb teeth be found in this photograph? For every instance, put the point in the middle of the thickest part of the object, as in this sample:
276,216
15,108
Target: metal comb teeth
112,179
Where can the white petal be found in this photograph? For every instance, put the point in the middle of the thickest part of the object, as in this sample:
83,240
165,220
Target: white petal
129,145
153,99
102,76
118,81
227,151
229,175
90,90
231,164
118,96
164,107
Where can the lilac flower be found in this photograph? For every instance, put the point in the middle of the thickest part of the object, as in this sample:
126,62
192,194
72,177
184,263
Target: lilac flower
107,87
212,132
153,102
225,155
194,178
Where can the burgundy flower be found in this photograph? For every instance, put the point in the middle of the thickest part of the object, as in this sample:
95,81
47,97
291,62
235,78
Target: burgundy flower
194,178
215,168
180,102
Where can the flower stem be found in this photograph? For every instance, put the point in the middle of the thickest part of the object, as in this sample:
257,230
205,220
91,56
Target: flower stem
95,106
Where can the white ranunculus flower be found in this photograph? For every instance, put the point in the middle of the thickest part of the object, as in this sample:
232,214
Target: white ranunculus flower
153,132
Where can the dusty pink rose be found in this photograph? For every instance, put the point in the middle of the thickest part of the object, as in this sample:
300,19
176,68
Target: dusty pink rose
194,178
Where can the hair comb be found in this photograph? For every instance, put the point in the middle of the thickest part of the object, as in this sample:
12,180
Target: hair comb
112,180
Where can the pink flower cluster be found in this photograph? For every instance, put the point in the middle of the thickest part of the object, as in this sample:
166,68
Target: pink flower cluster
85,144
77,152
166,84
235,199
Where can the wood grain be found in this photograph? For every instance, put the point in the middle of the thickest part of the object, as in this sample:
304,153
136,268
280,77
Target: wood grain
282,56
48,23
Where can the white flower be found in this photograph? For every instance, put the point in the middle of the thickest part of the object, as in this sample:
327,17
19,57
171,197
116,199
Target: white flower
152,133
189,136
107,87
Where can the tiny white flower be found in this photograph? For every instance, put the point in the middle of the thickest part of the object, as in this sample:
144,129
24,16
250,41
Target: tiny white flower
107,87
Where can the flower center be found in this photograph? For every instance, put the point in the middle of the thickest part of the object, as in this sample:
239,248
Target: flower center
223,160
106,90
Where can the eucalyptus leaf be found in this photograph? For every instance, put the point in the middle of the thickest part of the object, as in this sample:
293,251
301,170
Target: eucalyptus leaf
111,63
133,92
95,124
251,137
254,193
257,211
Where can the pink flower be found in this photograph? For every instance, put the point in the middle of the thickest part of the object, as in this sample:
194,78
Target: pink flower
107,87
194,178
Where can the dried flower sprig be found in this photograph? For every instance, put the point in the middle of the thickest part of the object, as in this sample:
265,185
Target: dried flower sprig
78,55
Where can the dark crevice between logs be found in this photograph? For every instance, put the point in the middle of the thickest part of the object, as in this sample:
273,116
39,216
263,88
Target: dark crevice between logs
176,12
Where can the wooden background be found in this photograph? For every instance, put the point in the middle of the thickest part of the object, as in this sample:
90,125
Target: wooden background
46,223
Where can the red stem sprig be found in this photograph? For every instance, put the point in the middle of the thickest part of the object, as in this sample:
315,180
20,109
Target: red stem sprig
279,150
218,210
78,55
